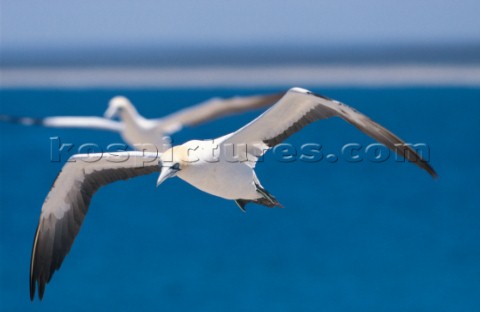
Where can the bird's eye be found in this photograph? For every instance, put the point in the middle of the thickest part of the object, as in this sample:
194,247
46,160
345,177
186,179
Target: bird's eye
175,167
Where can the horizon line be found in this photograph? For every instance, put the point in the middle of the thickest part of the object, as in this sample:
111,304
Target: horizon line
245,55
241,76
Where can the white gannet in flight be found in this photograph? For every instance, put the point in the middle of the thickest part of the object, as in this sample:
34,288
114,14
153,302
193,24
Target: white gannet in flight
138,131
209,165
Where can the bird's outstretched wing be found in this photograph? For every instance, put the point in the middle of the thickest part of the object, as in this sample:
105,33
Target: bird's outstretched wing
300,107
67,203
89,122
213,109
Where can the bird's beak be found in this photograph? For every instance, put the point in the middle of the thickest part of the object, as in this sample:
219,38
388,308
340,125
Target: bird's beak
110,113
165,174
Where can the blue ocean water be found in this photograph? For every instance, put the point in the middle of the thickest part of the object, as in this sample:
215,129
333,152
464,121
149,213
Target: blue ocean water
363,236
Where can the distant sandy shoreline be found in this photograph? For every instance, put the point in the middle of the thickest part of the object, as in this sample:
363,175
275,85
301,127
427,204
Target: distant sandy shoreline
241,76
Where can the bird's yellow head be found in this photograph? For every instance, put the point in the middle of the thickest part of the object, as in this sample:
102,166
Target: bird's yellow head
121,107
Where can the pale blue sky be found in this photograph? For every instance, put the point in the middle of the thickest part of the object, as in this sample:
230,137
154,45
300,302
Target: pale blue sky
93,23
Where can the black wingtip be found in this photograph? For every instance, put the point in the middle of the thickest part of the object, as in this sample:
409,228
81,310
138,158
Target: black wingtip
21,120
41,290
424,164
33,274
430,170
32,289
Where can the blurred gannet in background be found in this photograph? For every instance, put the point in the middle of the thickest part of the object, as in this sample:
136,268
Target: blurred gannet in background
209,165
140,132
